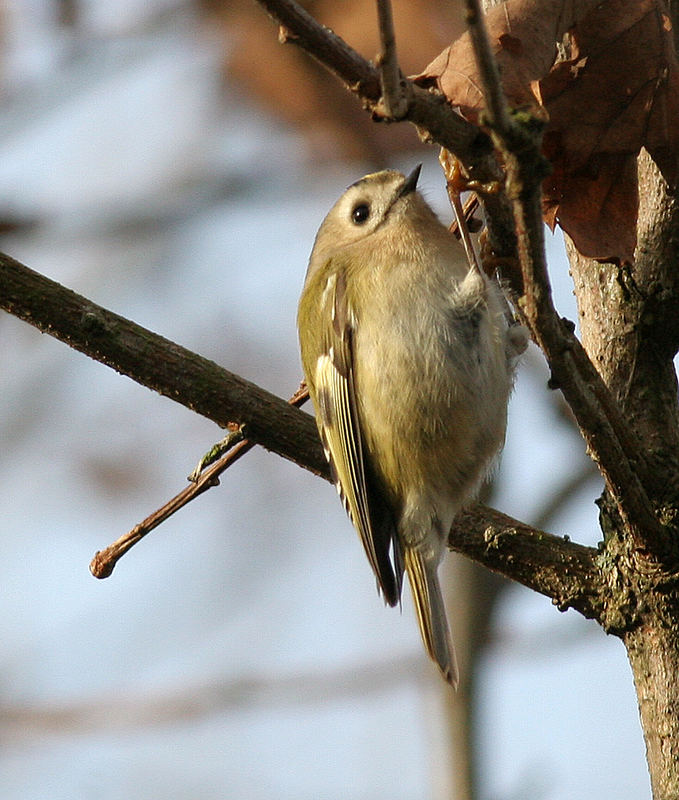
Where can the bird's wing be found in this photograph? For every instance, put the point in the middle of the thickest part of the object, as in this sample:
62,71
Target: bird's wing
340,428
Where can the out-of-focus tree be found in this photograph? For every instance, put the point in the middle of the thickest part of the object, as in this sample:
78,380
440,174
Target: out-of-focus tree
299,91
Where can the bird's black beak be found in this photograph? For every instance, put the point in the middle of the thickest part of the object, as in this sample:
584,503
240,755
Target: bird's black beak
411,181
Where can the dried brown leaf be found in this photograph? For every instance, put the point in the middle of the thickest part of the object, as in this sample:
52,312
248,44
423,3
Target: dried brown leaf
523,35
599,205
618,91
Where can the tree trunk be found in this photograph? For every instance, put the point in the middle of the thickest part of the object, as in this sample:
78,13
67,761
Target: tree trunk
629,318
653,652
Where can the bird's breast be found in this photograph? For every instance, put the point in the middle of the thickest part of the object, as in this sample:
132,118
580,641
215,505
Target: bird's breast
432,384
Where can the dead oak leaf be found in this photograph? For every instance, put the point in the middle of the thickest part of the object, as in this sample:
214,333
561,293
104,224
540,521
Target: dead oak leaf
617,91
596,204
523,36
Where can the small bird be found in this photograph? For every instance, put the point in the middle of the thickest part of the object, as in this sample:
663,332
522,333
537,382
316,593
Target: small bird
409,360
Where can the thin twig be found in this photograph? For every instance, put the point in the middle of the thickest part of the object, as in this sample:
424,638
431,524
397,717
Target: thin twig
235,436
434,118
391,80
104,561
454,183
470,207
610,440
495,105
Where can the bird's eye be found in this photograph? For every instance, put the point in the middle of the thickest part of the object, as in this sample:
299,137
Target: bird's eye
360,213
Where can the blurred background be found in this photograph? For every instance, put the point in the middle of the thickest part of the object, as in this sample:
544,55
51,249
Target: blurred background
172,162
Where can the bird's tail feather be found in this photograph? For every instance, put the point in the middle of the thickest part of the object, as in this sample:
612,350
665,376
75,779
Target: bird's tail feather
431,612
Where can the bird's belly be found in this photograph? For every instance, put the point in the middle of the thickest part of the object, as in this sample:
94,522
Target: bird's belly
429,427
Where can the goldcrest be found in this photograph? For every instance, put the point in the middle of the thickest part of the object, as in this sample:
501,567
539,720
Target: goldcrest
409,360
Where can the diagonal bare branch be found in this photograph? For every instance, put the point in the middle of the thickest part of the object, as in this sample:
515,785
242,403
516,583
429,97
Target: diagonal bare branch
610,440
232,449
394,99
161,365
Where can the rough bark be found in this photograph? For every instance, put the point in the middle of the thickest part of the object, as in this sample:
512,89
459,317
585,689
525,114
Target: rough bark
652,652
629,319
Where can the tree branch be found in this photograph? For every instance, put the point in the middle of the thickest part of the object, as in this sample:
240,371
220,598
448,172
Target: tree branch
428,111
161,365
610,440
206,476
636,358
553,566
395,101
